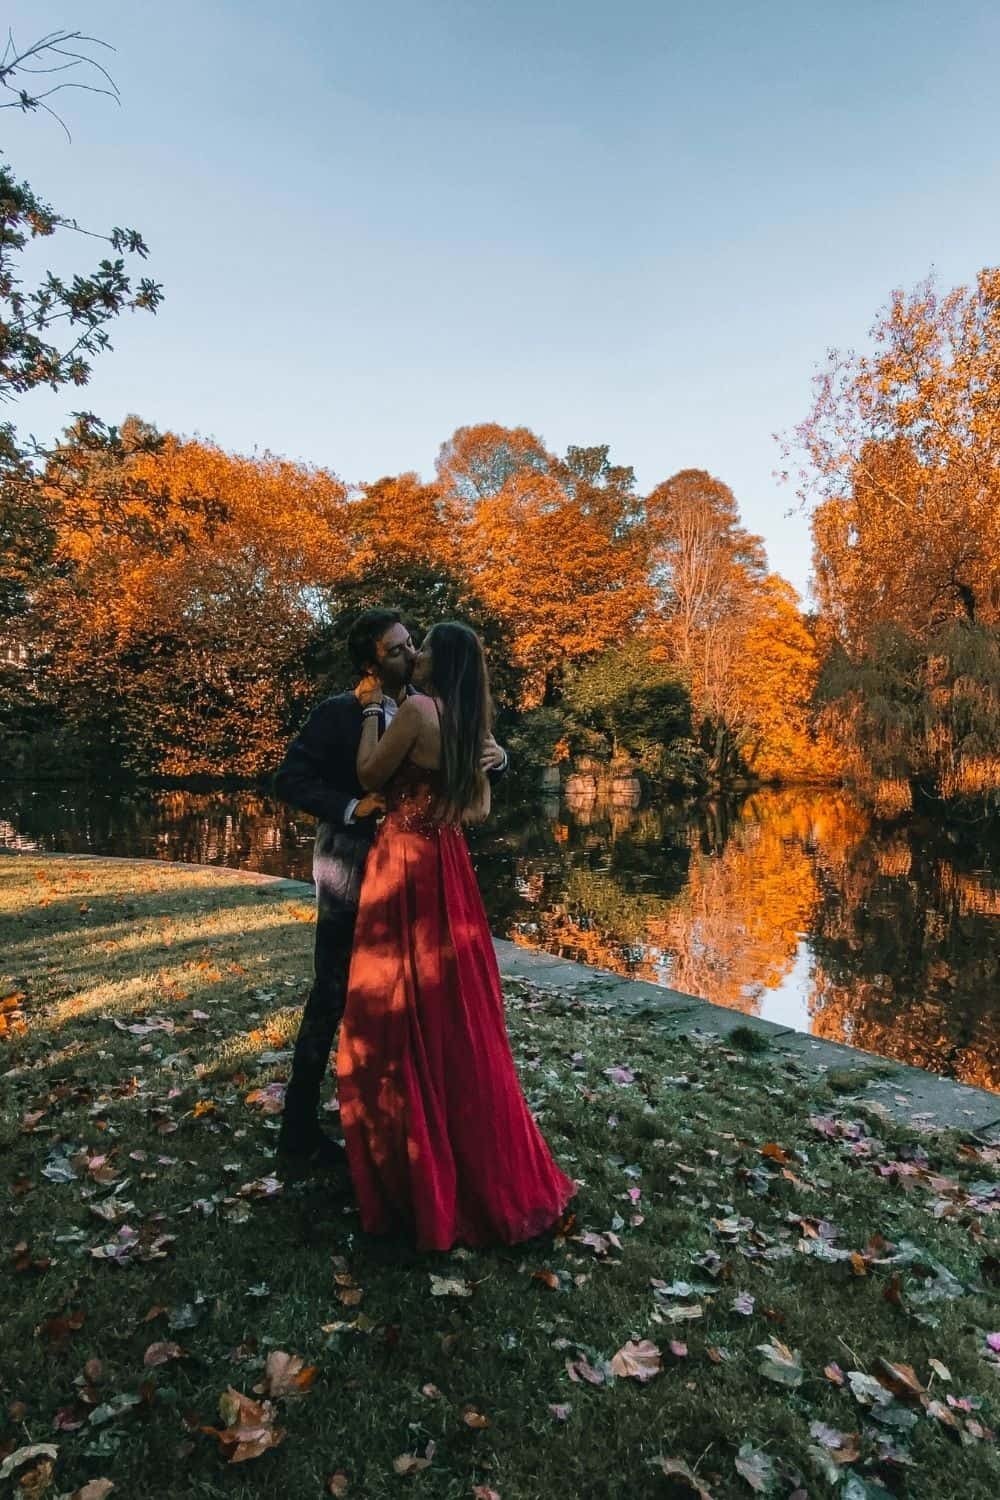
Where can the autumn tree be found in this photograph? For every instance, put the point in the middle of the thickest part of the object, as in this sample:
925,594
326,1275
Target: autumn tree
706,570
554,555
478,461
902,451
771,687
176,637
52,329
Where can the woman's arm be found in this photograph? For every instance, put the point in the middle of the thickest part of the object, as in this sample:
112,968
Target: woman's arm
480,809
378,758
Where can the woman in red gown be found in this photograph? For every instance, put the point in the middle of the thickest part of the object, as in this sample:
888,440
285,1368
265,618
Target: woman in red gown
440,1141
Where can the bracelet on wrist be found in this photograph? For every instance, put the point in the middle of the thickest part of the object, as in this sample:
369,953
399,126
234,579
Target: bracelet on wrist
372,712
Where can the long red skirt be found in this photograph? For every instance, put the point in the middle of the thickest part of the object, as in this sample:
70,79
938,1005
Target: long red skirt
440,1140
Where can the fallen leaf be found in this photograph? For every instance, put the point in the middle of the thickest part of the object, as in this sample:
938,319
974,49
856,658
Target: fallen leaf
940,1370
677,1469
637,1361
94,1489
743,1304
21,1456
285,1375
684,1313
107,1412
755,1467
448,1286
581,1369
843,1446
560,1410
338,1484
780,1364
269,1100
475,1419
249,1429
412,1463
161,1354
547,1278
34,1481
901,1380
483,1492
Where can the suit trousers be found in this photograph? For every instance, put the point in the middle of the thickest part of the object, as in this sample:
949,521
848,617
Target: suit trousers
338,866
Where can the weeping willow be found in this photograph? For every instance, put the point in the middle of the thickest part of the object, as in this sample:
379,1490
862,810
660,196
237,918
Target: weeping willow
918,717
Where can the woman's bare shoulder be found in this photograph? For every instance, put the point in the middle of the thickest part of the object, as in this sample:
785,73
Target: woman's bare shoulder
423,705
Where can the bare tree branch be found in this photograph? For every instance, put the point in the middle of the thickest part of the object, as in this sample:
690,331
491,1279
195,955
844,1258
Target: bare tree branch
15,64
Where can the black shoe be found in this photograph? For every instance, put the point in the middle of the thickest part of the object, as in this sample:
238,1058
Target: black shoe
313,1149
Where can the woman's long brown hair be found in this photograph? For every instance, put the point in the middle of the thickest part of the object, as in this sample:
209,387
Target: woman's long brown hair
460,680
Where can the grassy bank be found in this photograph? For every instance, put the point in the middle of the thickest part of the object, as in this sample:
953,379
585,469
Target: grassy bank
819,1287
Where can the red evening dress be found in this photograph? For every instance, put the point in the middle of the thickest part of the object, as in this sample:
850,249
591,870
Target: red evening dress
440,1141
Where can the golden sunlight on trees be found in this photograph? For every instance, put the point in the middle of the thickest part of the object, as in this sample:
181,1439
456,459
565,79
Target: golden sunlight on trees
550,565
903,464
734,629
195,602
183,597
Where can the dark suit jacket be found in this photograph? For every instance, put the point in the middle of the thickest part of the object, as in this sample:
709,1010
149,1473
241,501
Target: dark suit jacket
319,775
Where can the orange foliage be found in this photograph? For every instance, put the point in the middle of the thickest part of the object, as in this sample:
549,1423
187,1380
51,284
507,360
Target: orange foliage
564,585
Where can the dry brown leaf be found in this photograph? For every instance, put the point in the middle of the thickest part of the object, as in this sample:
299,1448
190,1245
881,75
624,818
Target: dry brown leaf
22,1456
942,1414
338,1484
901,1380
475,1419
35,1481
637,1361
412,1463
677,1469
94,1489
776,1153
581,1369
249,1429
547,1278
285,1375
161,1354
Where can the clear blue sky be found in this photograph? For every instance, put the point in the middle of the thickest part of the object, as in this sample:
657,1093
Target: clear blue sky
639,222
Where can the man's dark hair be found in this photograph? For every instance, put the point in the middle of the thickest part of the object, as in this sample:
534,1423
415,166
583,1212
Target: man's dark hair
366,632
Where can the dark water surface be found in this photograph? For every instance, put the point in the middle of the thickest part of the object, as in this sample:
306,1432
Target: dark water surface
791,906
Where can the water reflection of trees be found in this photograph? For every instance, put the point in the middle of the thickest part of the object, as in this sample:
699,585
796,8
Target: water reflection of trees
907,962
711,901
242,829
902,925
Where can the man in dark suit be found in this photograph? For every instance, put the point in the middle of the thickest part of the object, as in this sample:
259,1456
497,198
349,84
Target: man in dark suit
319,776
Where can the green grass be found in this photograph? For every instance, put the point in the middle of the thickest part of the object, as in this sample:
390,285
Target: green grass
679,1148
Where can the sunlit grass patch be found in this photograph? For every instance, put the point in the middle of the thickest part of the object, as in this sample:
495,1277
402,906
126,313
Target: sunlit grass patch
727,1201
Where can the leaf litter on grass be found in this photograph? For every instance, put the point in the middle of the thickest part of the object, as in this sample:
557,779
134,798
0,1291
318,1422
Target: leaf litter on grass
731,1213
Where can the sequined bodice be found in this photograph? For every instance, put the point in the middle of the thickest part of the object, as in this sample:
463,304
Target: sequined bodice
412,798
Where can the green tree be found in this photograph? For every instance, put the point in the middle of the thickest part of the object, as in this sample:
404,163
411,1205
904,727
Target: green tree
424,594
641,705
